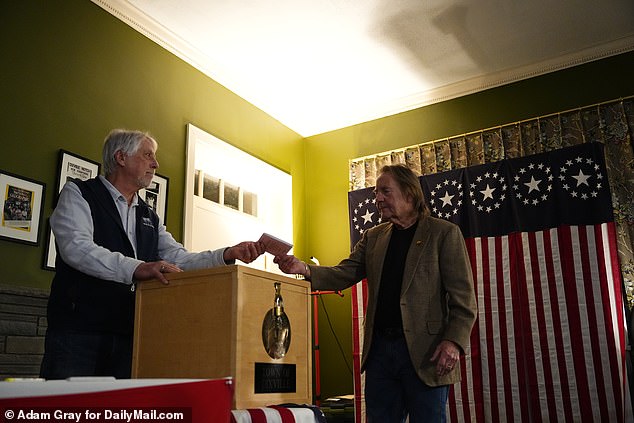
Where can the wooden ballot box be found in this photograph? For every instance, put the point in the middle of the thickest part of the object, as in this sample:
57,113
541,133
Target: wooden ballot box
208,324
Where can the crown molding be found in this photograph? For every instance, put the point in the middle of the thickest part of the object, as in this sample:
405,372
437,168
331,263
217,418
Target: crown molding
142,23
156,32
493,80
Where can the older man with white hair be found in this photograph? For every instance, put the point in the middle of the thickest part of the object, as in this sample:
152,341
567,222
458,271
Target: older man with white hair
108,239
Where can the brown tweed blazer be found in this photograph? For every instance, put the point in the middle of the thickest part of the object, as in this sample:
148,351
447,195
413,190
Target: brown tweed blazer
437,295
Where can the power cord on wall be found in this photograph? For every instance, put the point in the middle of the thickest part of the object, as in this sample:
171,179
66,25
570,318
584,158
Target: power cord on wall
343,355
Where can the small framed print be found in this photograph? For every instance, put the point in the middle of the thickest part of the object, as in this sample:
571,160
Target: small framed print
155,196
21,202
70,166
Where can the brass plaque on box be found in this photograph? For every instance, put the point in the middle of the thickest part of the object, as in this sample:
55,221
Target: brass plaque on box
274,378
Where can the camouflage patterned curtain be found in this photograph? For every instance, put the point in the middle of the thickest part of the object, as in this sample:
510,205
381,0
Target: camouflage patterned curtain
610,123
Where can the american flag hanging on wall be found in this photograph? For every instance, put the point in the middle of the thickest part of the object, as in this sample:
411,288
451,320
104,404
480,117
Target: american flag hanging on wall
549,343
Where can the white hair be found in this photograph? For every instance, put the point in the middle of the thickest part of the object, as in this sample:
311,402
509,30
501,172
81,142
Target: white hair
123,140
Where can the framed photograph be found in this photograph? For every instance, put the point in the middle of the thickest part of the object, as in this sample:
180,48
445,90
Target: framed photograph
21,202
70,165
156,196
76,167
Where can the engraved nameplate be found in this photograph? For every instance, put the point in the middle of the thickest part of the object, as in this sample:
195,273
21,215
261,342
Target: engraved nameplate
274,378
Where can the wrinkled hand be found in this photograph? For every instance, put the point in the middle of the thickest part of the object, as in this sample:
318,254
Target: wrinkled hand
291,264
154,270
447,355
245,251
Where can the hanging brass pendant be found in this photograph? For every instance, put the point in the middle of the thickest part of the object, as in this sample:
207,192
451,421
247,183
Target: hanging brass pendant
276,328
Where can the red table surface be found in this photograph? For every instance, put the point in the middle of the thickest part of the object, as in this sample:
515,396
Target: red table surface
209,400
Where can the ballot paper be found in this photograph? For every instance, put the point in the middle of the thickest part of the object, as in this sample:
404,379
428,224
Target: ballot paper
274,245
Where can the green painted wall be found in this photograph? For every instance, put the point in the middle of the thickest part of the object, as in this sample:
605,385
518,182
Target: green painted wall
71,72
327,155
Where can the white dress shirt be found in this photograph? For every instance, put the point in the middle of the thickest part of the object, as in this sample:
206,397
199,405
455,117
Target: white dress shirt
72,226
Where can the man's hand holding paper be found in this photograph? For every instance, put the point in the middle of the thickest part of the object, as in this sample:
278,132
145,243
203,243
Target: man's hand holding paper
274,245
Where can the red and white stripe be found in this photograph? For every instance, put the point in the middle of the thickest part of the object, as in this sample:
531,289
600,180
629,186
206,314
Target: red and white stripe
359,304
549,342
273,415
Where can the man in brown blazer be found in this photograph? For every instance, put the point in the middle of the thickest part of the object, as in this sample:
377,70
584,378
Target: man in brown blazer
421,302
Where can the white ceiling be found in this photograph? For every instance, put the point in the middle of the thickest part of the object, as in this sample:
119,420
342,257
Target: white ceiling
320,65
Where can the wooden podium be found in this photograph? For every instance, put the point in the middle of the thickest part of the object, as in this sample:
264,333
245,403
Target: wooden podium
208,324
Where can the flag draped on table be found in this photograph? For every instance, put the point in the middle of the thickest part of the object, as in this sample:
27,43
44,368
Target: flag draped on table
549,342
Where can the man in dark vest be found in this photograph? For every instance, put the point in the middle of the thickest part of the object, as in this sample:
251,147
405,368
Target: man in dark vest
108,239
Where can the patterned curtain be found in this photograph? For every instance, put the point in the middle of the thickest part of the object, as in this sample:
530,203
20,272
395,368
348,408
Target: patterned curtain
610,123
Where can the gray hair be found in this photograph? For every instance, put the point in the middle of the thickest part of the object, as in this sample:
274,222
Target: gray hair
126,141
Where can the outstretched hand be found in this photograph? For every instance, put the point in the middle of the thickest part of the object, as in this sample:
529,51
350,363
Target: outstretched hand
291,264
245,251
